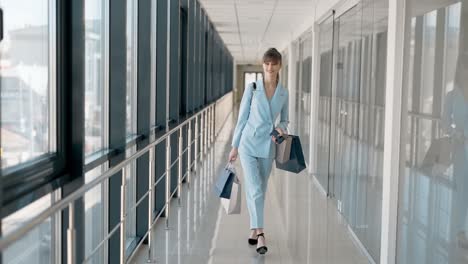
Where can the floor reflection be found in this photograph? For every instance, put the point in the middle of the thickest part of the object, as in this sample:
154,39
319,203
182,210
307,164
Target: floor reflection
301,224
432,219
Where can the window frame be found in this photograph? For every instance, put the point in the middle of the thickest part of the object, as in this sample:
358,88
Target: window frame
24,183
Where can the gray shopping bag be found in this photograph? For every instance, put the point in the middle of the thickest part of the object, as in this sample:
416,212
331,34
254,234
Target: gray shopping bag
232,205
283,150
296,162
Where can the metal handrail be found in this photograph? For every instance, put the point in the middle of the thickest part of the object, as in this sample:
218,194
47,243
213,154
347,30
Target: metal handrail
68,201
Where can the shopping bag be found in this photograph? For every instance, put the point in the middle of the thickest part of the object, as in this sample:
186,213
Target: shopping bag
232,205
283,150
223,185
438,157
296,162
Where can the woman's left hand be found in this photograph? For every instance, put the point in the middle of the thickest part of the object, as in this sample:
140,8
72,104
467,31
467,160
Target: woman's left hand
281,133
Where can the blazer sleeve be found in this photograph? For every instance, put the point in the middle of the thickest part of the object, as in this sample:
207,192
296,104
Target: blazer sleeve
284,116
244,112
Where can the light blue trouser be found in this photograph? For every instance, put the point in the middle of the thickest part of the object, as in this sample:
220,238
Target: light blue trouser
256,174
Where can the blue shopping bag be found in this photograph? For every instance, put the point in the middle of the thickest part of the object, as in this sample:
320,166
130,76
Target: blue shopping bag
224,182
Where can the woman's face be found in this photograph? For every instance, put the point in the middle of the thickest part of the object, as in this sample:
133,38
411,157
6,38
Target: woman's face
271,69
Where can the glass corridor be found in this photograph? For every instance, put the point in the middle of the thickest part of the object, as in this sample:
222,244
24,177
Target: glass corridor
89,84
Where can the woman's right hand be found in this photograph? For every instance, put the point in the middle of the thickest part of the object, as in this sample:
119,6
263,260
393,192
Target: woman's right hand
233,154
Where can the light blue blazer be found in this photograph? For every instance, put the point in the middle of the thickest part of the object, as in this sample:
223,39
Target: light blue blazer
257,118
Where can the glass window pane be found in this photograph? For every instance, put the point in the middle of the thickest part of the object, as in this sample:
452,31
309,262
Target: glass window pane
94,217
37,245
95,120
132,30
130,196
131,117
432,212
153,64
95,92
428,60
25,85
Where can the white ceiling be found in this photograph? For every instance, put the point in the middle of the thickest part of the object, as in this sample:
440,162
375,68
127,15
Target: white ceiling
250,27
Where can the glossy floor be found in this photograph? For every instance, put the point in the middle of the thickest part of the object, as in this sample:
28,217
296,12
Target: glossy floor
301,224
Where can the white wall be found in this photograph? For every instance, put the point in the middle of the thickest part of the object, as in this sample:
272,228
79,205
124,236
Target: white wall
224,107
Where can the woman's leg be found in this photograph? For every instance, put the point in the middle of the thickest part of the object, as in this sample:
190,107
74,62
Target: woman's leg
253,190
256,174
265,166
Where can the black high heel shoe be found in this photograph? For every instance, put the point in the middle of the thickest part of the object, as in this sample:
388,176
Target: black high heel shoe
263,249
253,241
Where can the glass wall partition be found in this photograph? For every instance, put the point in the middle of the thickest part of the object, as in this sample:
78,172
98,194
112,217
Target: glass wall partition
303,99
294,126
433,208
369,133
345,112
352,50
324,115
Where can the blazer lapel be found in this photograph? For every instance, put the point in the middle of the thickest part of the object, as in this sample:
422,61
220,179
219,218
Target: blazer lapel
277,100
265,105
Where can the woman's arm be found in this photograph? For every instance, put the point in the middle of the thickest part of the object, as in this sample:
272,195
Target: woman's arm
244,112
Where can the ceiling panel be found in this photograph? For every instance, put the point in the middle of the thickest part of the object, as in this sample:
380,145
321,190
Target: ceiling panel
249,27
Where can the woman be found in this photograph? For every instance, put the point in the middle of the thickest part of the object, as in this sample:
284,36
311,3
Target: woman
455,124
259,108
